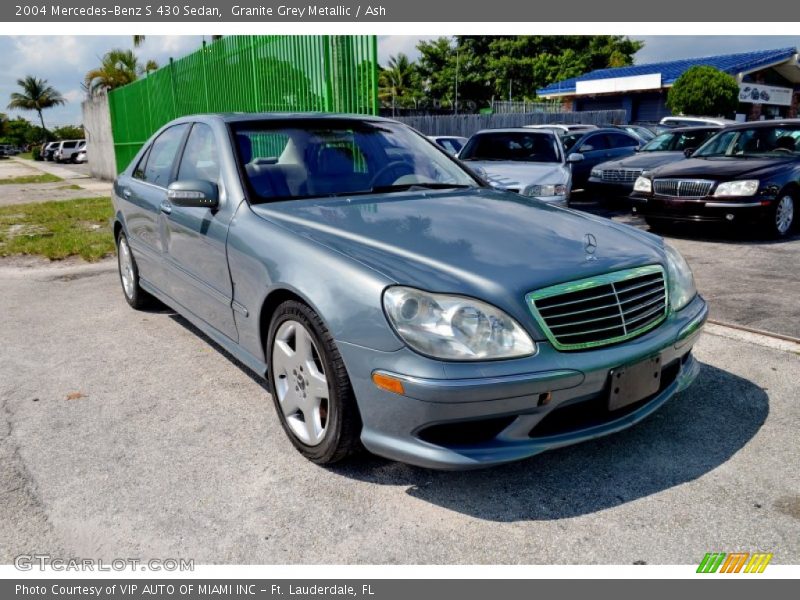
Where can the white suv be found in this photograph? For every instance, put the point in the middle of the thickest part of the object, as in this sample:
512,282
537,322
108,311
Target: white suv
68,150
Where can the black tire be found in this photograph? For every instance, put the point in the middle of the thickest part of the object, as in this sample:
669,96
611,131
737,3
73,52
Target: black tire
137,298
657,225
342,436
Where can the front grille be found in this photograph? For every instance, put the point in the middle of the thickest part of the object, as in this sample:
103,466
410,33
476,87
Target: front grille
683,188
620,175
601,310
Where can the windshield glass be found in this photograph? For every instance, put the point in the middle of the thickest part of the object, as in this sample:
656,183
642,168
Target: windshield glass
534,146
676,141
775,142
310,158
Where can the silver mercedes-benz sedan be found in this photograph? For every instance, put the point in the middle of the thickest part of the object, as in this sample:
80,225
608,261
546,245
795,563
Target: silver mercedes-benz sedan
394,300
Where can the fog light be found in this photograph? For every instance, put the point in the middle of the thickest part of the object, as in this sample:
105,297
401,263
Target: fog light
388,383
635,210
729,216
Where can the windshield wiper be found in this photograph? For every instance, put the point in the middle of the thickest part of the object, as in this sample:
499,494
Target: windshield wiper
402,187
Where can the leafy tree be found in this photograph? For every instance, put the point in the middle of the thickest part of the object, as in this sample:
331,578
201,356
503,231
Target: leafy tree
69,132
491,66
36,95
704,91
398,82
117,68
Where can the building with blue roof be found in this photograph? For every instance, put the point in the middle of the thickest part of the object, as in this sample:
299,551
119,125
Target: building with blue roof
769,84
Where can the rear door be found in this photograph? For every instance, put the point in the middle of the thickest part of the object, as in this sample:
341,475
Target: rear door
621,145
143,194
595,149
195,238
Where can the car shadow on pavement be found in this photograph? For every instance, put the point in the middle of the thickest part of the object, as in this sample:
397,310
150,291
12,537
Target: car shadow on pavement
692,434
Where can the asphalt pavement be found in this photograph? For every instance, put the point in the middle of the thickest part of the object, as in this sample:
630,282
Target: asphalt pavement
127,434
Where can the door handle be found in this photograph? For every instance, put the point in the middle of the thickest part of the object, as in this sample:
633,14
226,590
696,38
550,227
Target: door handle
166,207
126,192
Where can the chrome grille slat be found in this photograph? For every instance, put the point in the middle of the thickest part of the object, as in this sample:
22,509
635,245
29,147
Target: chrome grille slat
602,310
682,188
620,175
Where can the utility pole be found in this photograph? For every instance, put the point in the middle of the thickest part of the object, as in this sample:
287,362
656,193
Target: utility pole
455,101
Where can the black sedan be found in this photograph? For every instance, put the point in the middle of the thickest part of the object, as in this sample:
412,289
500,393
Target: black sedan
747,173
616,177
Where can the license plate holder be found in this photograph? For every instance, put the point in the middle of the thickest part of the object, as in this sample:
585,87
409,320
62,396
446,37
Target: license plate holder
632,383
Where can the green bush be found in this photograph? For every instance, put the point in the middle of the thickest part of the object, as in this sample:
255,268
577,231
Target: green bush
36,153
704,91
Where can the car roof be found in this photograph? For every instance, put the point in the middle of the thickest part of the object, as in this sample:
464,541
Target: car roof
539,130
764,124
710,126
234,117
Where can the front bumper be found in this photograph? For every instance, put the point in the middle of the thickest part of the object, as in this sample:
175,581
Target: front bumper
609,189
746,210
461,415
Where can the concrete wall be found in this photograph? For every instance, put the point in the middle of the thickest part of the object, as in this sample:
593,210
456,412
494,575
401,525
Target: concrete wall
99,140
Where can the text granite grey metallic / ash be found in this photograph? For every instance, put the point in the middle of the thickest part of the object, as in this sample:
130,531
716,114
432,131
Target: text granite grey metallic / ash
394,300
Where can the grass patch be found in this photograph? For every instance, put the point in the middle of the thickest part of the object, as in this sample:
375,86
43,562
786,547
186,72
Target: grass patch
58,229
43,178
69,187
26,155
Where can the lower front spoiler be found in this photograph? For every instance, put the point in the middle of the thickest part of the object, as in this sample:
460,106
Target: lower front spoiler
737,211
500,451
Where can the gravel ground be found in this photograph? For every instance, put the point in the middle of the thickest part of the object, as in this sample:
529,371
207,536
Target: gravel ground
126,434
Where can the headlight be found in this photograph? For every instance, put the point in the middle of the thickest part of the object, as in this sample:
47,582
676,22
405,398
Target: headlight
680,279
546,189
597,173
454,327
746,187
643,184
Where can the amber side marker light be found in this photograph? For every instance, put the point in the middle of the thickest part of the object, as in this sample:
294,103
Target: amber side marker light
388,383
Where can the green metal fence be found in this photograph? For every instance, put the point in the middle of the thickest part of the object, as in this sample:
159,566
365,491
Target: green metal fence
248,74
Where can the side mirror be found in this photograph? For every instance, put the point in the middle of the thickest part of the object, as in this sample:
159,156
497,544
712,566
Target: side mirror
575,157
194,193
687,152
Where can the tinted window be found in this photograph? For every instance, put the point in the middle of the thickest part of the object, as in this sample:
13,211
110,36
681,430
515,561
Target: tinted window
518,146
200,158
158,168
70,144
138,172
450,144
621,141
757,141
597,142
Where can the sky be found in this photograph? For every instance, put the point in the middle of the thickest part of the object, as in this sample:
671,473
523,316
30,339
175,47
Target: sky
64,60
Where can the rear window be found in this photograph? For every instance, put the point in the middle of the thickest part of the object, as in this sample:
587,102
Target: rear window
513,146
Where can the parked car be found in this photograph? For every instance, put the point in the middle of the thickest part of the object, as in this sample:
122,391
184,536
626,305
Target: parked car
645,134
400,303
451,143
747,173
48,150
5,150
688,121
562,128
525,161
616,177
81,156
587,150
67,150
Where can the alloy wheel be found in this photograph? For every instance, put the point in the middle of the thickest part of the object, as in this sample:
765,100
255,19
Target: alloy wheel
784,214
300,382
126,267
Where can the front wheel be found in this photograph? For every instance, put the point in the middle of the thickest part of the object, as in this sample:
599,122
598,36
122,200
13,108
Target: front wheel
782,221
310,386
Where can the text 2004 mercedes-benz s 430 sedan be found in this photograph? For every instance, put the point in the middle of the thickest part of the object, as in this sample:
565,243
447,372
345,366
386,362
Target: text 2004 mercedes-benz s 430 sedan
393,299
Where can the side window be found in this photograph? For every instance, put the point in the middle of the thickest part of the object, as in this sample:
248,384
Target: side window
138,172
161,156
200,158
622,141
597,142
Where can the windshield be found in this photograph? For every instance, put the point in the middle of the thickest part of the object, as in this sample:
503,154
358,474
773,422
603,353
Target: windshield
672,141
311,158
764,142
524,146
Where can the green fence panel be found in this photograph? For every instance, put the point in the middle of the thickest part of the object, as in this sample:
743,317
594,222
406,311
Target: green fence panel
327,73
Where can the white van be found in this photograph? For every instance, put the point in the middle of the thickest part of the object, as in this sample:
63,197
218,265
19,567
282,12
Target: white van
67,150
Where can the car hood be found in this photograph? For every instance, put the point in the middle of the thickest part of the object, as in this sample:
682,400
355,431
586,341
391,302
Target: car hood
721,167
490,244
643,160
517,174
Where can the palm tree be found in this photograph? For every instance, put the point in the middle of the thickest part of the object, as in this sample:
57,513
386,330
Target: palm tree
395,79
36,95
117,68
138,40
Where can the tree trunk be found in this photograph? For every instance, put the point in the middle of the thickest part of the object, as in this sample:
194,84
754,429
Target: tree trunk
44,129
